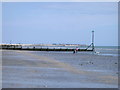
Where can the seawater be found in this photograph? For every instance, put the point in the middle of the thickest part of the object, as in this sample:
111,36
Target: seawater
107,50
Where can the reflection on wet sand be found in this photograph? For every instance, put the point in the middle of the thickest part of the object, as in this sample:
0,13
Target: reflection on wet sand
45,69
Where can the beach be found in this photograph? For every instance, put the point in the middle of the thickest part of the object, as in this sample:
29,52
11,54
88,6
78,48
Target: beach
59,44
43,69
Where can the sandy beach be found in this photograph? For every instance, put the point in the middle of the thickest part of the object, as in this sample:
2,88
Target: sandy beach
42,69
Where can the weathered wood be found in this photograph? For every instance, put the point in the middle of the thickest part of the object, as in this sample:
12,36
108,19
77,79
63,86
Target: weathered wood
46,49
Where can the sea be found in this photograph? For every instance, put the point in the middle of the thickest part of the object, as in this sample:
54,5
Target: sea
107,50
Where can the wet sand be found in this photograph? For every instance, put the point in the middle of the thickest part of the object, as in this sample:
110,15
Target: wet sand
42,69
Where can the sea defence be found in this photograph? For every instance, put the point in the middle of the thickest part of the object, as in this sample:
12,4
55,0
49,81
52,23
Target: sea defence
34,48
19,47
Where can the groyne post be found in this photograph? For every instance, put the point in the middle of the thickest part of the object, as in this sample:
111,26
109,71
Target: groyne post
93,48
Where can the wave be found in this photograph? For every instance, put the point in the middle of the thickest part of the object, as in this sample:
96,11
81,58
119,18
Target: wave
108,54
107,49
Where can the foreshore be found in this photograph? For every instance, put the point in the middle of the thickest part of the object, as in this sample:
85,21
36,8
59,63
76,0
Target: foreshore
31,69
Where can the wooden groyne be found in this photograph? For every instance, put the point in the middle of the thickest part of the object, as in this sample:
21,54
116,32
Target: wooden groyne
46,49
20,47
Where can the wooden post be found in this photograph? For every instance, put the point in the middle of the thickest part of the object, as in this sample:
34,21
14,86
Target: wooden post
21,47
93,41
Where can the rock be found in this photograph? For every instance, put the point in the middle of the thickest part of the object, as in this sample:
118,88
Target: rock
115,63
45,86
81,64
87,63
90,62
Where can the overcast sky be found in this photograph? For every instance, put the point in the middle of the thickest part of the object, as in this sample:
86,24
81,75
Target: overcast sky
60,22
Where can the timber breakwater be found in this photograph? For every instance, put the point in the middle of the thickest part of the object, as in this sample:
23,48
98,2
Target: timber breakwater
36,48
41,48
